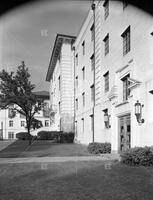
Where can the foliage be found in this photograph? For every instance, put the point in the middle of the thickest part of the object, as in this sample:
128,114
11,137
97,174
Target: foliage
98,148
24,136
48,135
58,136
36,124
138,156
67,137
16,89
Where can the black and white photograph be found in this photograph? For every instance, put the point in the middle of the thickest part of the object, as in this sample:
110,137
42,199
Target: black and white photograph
76,100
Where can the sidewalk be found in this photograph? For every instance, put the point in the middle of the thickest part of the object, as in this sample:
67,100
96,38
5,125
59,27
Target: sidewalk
106,157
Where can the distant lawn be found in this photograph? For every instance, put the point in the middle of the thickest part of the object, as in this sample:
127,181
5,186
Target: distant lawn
75,181
42,148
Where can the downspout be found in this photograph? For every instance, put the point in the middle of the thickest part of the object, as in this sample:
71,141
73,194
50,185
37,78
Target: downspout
74,91
93,9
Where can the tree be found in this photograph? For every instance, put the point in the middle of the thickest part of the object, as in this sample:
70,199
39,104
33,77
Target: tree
36,124
16,89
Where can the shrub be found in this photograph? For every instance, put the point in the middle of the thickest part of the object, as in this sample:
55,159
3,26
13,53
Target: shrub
58,136
138,156
97,148
24,136
66,137
49,135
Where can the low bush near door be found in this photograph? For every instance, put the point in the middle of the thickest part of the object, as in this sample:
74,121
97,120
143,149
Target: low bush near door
99,148
138,156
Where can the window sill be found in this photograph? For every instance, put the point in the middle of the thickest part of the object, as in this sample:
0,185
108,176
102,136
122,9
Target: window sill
123,103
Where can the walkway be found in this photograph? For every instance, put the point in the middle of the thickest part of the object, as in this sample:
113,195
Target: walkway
106,157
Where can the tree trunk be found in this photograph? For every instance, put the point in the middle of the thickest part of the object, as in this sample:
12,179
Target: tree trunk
28,129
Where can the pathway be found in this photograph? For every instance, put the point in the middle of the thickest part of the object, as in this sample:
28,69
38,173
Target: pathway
105,157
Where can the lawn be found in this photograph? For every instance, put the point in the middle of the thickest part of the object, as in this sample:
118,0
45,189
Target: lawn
75,181
41,148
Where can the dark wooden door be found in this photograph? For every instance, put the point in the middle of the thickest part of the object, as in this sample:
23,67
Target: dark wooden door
125,132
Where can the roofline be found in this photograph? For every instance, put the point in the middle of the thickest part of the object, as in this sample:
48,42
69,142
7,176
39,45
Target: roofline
49,73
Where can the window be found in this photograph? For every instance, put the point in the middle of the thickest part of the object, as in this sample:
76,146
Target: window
106,8
22,123
76,81
10,135
106,43
106,118
106,80
76,103
10,123
126,41
125,3
59,106
47,123
92,32
11,112
83,48
92,93
92,122
83,99
59,82
92,61
83,73
82,124
76,59
126,90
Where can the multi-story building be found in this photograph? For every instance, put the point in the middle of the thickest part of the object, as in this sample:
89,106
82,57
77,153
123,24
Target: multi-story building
84,81
12,122
61,77
123,75
113,76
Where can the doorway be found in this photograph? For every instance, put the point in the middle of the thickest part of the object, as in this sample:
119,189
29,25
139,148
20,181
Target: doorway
124,132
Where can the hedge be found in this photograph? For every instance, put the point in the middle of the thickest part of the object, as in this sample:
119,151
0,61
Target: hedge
99,148
48,135
138,156
57,136
24,136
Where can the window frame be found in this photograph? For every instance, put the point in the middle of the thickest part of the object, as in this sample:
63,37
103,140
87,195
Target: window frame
106,81
83,48
92,61
126,90
92,92
76,59
106,44
92,31
83,99
126,35
106,9
11,123
22,123
76,103
83,73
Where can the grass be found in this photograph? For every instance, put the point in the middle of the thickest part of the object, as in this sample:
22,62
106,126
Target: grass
75,180
41,148
5,143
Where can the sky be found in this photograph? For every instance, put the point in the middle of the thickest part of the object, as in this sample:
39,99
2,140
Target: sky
28,32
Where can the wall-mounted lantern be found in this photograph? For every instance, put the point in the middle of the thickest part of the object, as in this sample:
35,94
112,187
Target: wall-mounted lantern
106,119
138,112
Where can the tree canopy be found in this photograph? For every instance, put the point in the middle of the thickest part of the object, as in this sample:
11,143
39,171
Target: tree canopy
16,89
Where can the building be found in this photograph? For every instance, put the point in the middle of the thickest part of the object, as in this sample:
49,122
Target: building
113,76
12,122
84,81
123,75
61,77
